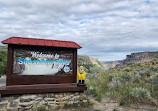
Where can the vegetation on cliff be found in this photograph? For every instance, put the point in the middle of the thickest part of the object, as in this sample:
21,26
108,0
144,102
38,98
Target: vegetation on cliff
91,65
3,62
129,83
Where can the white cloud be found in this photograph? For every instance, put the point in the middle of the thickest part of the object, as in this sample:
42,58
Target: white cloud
107,29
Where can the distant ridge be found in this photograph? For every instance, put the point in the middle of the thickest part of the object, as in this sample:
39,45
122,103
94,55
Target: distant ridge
141,57
137,57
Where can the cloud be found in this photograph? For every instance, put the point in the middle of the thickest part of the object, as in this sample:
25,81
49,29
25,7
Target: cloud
106,29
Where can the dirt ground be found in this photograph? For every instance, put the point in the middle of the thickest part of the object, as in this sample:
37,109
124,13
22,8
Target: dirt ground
110,105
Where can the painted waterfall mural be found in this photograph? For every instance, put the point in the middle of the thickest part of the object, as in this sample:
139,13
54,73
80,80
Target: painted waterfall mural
42,62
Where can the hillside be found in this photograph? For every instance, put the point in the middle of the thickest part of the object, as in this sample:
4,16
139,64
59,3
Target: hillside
133,81
111,64
128,83
91,65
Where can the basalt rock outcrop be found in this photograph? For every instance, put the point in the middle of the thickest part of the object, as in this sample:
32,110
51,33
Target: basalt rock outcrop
140,57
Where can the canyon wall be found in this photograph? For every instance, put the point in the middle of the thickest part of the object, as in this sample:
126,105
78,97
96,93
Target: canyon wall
140,57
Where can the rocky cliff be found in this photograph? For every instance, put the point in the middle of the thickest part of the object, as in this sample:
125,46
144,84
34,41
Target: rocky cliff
91,65
140,57
111,64
86,60
137,57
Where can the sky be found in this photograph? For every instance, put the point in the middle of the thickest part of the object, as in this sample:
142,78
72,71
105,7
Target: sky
106,29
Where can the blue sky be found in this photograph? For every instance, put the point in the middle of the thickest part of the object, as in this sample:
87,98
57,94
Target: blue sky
106,29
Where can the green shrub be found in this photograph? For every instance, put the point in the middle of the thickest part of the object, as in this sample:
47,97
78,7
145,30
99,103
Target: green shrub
137,78
99,98
109,78
139,93
115,84
91,88
144,72
136,71
3,63
123,78
122,102
120,81
153,68
153,80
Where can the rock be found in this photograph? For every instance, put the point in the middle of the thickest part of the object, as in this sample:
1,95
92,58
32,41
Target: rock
57,100
84,96
13,104
49,99
76,97
57,103
84,101
51,106
3,104
75,102
56,96
65,98
26,104
25,108
39,99
52,102
60,95
44,103
70,102
28,98
12,109
76,93
71,95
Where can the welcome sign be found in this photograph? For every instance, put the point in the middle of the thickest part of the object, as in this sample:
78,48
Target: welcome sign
42,62
41,66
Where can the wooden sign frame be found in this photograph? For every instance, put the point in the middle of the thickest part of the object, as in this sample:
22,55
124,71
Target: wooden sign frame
38,79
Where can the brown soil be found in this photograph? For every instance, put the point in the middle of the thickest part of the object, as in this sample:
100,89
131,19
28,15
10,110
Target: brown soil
108,104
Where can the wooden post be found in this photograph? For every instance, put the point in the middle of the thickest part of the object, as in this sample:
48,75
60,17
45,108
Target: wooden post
75,64
9,65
